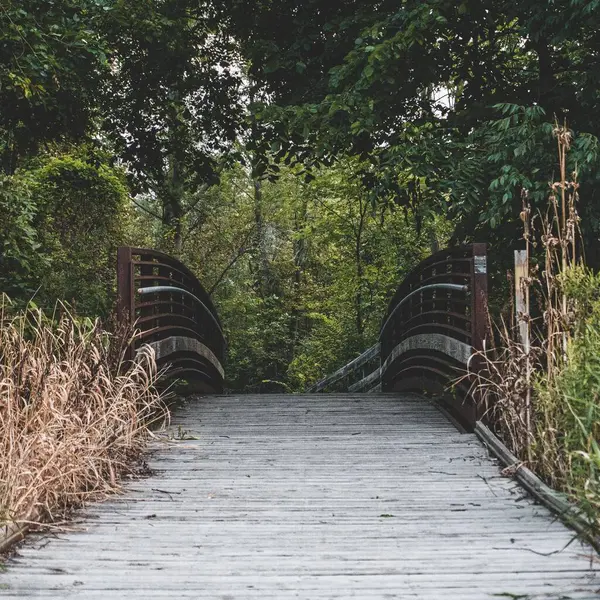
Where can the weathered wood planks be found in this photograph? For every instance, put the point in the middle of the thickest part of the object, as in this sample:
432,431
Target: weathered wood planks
326,496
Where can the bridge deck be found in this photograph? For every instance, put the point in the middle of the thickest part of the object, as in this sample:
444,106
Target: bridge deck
313,497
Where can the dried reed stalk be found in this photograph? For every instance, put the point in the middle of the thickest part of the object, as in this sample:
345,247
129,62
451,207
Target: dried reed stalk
506,381
71,420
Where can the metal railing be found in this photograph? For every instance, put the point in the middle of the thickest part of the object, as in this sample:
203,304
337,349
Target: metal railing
434,326
171,312
360,375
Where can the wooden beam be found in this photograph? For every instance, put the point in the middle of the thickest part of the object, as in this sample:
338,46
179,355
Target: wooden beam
551,499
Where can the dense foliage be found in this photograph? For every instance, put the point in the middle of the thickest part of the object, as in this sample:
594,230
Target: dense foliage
64,215
299,156
53,63
461,95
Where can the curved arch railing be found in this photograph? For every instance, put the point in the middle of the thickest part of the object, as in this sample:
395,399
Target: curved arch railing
435,324
172,313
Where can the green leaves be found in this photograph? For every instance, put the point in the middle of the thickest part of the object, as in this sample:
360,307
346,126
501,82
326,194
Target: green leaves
480,83
60,223
19,239
51,68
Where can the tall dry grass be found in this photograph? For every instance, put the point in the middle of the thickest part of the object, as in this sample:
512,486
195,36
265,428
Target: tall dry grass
544,393
72,421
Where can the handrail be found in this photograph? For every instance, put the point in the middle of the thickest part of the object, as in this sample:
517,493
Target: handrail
346,370
158,256
445,286
183,329
157,289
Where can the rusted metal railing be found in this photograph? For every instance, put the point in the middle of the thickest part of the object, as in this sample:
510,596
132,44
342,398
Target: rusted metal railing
171,312
434,327
435,324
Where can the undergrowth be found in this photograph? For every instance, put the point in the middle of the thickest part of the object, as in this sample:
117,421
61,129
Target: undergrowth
541,381
564,447
72,420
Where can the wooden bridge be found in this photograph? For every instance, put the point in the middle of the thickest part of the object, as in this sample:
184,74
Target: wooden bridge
338,495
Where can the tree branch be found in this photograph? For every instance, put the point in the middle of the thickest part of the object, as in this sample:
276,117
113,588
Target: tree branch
201,192
147,210
241,251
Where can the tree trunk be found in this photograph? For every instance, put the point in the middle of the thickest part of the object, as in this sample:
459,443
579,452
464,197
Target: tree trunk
265,280
546,80
299,262
173,205
360,327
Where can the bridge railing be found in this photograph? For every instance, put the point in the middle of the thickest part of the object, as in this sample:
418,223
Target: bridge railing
362,374
435,324
171,312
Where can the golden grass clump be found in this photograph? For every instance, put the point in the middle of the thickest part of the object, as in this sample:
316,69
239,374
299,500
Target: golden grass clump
72,421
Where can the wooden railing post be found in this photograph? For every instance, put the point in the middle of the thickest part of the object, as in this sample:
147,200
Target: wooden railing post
522,297
479,316
479,297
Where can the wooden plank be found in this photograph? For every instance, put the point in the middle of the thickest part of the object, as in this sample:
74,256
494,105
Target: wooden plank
310,496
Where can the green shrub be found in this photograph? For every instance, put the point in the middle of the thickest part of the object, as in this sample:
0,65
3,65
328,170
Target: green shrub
81,207
568,407
20,258
61,220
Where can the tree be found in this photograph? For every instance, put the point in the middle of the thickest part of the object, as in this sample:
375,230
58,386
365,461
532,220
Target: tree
421,87
52,65
172,106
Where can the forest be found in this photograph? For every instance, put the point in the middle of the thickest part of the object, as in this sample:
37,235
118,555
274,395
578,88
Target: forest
301,157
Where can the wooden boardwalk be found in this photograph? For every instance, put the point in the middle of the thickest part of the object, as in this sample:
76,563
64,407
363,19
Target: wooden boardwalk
312,497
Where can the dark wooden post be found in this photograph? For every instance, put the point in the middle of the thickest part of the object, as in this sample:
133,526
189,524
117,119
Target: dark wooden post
480,296
479,313
125,292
